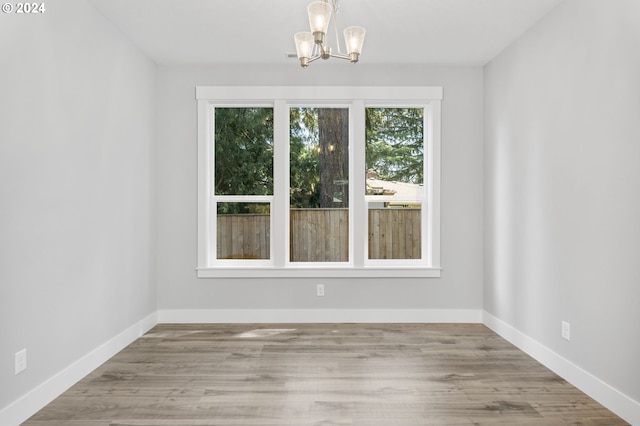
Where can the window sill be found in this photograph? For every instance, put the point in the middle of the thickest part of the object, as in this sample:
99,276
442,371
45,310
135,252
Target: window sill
331,272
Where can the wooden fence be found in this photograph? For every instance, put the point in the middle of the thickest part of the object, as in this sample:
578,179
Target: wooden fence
321,235
243,236
395,233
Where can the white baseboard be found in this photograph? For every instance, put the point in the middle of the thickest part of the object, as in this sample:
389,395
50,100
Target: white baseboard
30,403
623,406
301,316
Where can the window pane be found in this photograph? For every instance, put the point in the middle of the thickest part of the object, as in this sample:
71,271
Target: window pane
319,185
243,141
395,172
395,144
243,231
395,231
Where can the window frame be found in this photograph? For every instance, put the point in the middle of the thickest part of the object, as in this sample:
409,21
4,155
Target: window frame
318,265
231,198
425,204
356,99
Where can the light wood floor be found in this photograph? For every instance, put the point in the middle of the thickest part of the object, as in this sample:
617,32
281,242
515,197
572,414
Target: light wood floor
326,374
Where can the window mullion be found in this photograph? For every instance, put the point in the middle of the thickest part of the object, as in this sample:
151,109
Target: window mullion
280,217
358,215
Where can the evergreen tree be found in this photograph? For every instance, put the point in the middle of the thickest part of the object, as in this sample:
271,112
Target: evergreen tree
319,153
395,143
243,153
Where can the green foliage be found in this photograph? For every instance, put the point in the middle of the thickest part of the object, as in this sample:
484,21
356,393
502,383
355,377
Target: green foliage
395,143
243,151
242,208
304,156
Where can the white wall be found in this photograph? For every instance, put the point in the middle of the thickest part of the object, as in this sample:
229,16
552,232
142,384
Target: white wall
562,187
77,123
460,286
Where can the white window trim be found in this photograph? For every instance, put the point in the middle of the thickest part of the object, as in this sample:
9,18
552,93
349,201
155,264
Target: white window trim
357,99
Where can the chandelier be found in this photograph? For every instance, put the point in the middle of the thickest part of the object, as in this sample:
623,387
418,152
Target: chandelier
313,45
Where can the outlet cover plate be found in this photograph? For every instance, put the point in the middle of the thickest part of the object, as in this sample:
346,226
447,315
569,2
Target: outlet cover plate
20,361
566,330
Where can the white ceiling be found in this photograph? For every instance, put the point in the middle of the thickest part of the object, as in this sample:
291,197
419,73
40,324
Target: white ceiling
460,32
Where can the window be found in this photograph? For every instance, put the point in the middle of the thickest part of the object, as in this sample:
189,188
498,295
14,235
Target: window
395,192
318,181
242,183
319,184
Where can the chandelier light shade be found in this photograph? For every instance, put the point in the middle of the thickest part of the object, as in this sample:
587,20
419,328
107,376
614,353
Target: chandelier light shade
354,39
304,47
313,45
319,17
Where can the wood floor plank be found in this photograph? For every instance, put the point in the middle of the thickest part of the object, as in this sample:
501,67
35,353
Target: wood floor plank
322,374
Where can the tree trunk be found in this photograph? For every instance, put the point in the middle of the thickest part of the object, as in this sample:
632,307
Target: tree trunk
333,127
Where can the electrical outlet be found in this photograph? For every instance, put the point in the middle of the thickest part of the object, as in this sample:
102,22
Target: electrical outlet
20,361
566,330
320,290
